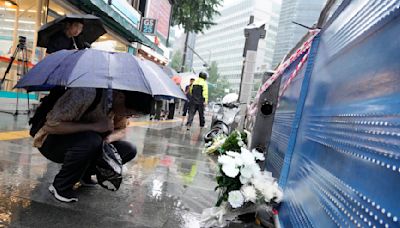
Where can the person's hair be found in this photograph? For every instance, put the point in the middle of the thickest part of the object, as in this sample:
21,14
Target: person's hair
74,20
138,101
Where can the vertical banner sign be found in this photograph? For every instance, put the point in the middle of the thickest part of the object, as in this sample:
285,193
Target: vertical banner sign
148,26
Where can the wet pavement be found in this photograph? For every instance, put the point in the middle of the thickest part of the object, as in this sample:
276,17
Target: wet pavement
168,184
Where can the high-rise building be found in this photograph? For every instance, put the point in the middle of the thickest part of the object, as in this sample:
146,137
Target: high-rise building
305,12
224,42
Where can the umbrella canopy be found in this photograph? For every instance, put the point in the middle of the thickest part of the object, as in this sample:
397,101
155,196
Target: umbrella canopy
93,28
169,71
99,69
186,78
177,79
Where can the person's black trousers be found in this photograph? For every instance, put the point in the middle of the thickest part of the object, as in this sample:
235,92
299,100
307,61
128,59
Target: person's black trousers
171,111
192,111
77,152
155,110
185,108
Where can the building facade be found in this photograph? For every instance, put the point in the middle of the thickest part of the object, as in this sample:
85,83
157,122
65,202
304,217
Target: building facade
305,12
224,42
121,18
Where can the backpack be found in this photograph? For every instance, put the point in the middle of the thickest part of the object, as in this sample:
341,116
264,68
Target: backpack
46,105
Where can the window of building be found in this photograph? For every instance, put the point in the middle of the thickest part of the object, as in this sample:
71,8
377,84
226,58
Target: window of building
22,18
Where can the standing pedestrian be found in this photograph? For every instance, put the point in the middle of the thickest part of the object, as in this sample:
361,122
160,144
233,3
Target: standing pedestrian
199,99
187,93
69,38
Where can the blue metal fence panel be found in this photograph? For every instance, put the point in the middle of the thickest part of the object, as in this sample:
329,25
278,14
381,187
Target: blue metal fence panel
345,169
283,120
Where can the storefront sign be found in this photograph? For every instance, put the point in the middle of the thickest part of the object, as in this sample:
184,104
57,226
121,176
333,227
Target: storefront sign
148,26
160,10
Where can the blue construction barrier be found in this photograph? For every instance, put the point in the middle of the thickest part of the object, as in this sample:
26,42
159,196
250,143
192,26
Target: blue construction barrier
336,147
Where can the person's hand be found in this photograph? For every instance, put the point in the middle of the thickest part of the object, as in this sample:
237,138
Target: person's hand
205,104
105,125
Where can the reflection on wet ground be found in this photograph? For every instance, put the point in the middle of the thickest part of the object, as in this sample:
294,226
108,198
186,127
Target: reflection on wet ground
167,185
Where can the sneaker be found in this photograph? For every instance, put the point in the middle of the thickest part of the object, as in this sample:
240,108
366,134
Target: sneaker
67,196
88,182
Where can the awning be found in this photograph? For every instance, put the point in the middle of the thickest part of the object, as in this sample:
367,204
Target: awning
116,21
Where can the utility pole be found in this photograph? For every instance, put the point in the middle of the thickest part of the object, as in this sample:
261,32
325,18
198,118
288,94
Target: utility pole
253,34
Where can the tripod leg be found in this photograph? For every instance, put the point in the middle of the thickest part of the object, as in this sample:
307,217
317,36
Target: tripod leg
25,70
9,65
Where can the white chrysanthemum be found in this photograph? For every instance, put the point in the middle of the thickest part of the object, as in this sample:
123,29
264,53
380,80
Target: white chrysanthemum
232,154
249,193
247,171
235,198
225,159
268,193
238,161
230,170
278,195
244,180
247,157
258,155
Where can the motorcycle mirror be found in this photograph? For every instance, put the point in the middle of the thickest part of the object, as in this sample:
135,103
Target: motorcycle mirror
266,108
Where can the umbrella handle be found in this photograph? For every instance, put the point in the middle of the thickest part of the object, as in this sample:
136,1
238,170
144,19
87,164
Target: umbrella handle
109,99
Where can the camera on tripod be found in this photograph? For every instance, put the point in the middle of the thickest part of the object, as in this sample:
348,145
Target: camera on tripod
22,40
21,55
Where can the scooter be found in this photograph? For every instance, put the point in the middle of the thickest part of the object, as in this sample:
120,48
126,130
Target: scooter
225,118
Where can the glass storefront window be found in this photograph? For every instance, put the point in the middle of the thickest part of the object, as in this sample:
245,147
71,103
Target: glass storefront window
107,43
18,18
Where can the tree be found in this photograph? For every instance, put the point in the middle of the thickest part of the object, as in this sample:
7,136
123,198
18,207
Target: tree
194,16
217,84
176,61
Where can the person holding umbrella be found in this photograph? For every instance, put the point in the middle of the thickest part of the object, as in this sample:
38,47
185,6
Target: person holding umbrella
70,32
74,137
74,132
68,38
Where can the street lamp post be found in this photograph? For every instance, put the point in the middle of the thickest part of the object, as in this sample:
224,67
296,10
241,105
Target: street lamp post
253,34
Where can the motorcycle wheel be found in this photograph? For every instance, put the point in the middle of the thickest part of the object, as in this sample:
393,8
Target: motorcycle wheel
208,137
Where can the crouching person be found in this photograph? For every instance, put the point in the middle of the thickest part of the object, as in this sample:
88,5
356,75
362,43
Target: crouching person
76,128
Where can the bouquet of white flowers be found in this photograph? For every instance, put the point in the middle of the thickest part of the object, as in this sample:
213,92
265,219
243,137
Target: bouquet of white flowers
240,180
242,185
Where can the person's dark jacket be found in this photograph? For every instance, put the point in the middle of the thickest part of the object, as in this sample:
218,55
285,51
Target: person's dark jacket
60,41
199,91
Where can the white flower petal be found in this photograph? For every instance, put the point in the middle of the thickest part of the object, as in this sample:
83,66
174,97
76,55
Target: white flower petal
235,199
232,154
230,170
238,161
247,157
246,171
258,155
225,159
244,180
249,193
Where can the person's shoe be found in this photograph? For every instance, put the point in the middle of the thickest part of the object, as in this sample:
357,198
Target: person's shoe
66,197
88,182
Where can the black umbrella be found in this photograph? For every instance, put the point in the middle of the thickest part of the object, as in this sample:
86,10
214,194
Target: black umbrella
93,28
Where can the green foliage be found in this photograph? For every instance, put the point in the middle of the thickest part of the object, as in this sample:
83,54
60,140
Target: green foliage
195,15
232,142
217,83
226,184
176,61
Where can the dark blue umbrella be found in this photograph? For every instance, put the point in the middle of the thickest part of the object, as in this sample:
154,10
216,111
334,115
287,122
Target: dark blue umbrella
99,69
93,28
